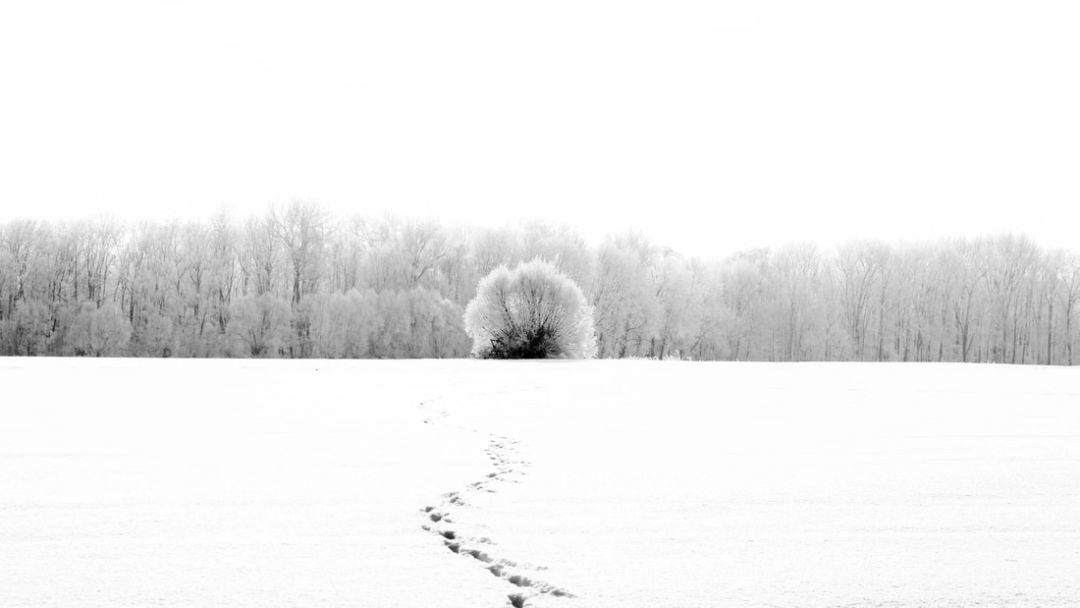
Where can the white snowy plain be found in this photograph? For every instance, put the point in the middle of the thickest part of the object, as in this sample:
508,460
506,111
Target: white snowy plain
137,483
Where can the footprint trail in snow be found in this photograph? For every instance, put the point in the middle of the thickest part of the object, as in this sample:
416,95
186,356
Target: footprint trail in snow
440,521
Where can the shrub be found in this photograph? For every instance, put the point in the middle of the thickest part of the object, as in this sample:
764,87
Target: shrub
530,312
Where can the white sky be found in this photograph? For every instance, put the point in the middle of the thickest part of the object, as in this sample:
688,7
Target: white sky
710,126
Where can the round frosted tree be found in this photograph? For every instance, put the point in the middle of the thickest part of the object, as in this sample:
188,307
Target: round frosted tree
531,312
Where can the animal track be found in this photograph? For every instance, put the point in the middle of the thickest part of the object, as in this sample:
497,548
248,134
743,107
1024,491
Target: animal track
508,468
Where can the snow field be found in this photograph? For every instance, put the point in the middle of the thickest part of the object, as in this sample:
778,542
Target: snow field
630,483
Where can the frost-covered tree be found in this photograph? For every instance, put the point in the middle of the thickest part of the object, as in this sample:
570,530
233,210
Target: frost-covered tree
796,273
29,329
307,284
261,323
98,332
437,329
624,296
157,338
745,279
301,229
341,324
676,294
530,312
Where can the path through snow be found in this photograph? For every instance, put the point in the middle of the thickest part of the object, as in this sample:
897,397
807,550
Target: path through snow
440,519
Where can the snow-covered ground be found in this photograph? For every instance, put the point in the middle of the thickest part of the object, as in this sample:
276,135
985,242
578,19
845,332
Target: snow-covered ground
161,483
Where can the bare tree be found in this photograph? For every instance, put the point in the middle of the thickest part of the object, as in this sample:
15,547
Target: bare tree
301,228
861,266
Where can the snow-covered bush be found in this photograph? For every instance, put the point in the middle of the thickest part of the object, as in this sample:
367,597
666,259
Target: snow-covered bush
530,312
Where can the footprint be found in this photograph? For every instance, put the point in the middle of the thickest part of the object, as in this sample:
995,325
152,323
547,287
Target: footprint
478,555
520,581
508,467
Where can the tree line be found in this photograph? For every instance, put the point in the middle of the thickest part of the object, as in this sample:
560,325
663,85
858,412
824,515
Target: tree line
299,282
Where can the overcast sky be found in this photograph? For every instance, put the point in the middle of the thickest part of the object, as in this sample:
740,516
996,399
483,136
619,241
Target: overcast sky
710,126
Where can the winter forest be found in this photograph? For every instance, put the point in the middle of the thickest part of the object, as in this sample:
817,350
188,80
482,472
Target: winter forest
299,282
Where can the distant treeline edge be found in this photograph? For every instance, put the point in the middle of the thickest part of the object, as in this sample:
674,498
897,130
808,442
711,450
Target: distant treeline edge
299,282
